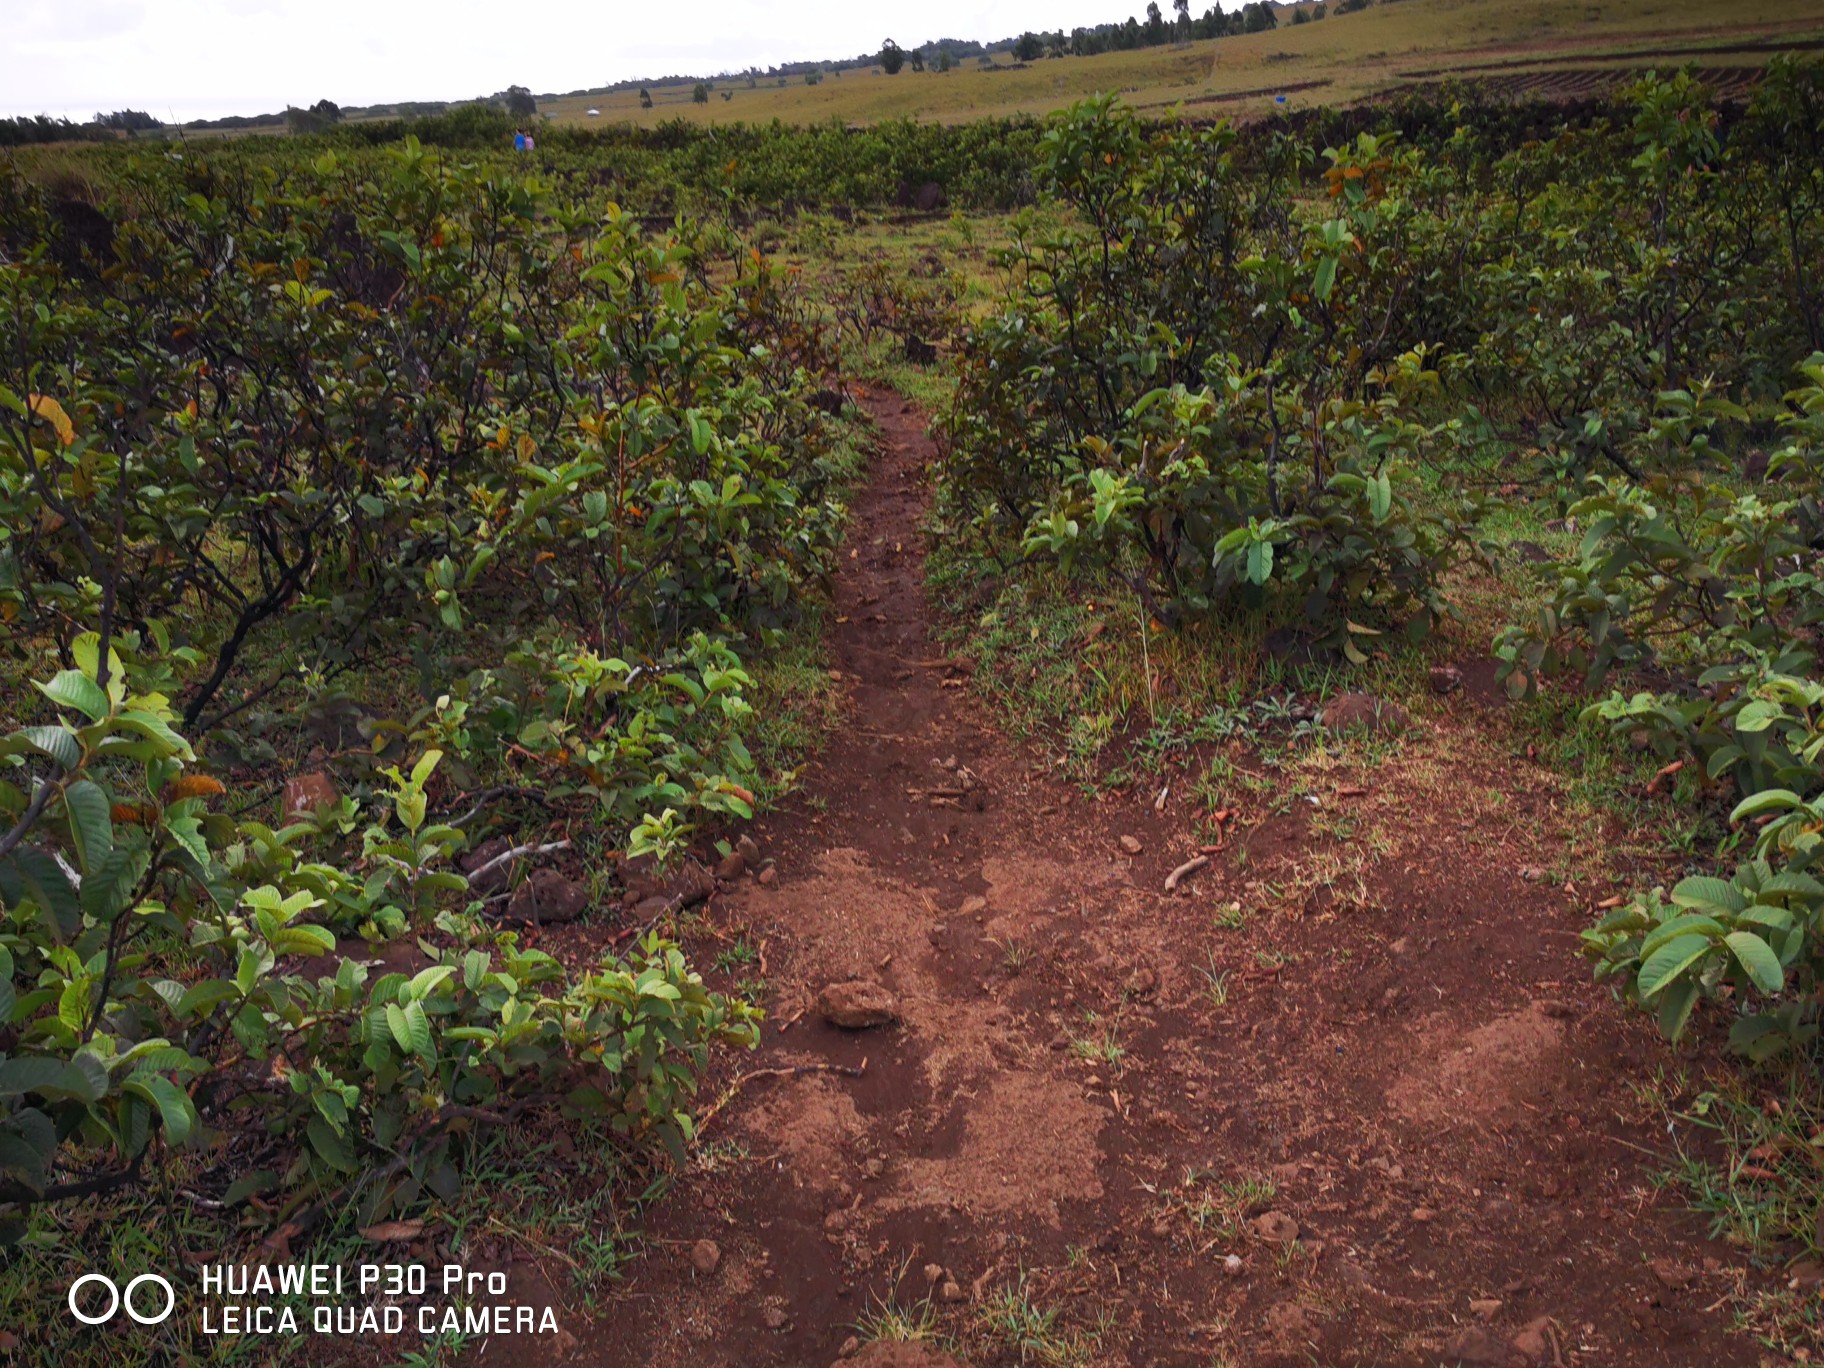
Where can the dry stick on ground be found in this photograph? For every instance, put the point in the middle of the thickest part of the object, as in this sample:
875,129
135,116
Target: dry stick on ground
789,1071
1185,870
518,852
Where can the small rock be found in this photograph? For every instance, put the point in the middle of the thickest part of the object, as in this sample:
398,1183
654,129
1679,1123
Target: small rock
306,793
1671,1274
773,1318
731,866
950,1292
1424,1215
1143,982
1485,1308
768,877
1131,844
548,897
1277,1227
1232,1266
1349,711
1532,874
564,1344
705,1255
972,906
1446,679
749,849
1640,739
849,1346
857,1005
875,1167
948,762
1533,1341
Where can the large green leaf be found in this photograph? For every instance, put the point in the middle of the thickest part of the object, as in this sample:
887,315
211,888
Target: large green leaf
73,689
1757,957
28,1074
1704,891
174,1110
90,826
1670,960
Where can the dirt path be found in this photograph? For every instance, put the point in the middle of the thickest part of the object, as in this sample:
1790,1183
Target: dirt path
1411,1071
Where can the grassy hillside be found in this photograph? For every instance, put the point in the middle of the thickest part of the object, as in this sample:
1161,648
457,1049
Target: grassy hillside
1555,43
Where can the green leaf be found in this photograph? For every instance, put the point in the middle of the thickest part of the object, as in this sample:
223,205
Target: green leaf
90,827
419,1025
1685,924
197,1001
334,1148
1767,800
400,1026
28,1074
1325,280
1675,1010
1669,961
173,1104
249,1185
54,743
1758,959
73,689
1704,891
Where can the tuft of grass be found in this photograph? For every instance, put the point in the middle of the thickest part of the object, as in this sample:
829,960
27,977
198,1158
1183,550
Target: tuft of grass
1016,1324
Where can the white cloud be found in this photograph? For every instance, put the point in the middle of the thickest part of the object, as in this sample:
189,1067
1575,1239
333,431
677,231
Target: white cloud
205,58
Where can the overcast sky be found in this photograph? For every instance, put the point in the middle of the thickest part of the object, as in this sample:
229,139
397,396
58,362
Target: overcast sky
184,59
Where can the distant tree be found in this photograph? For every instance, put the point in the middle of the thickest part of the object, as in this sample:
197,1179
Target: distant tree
943,59
645,98
1155,23
701,94
519,102
917,58
1300,17
1183,21
1029,47
304,120
328,111
127,120
892,57
1317,11
813,77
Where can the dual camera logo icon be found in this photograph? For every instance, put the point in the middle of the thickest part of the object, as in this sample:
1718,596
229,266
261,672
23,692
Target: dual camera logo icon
116,1299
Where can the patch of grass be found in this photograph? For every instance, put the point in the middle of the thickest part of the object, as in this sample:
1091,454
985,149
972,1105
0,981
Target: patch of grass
1758,1176
1101,1046
1017,1324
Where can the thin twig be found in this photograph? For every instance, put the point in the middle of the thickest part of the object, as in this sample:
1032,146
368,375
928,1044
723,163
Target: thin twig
507,856
789,1071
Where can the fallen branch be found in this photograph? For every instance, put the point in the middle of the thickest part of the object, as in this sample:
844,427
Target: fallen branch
1663,775
789,1071
489,795
1185,870
517,852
